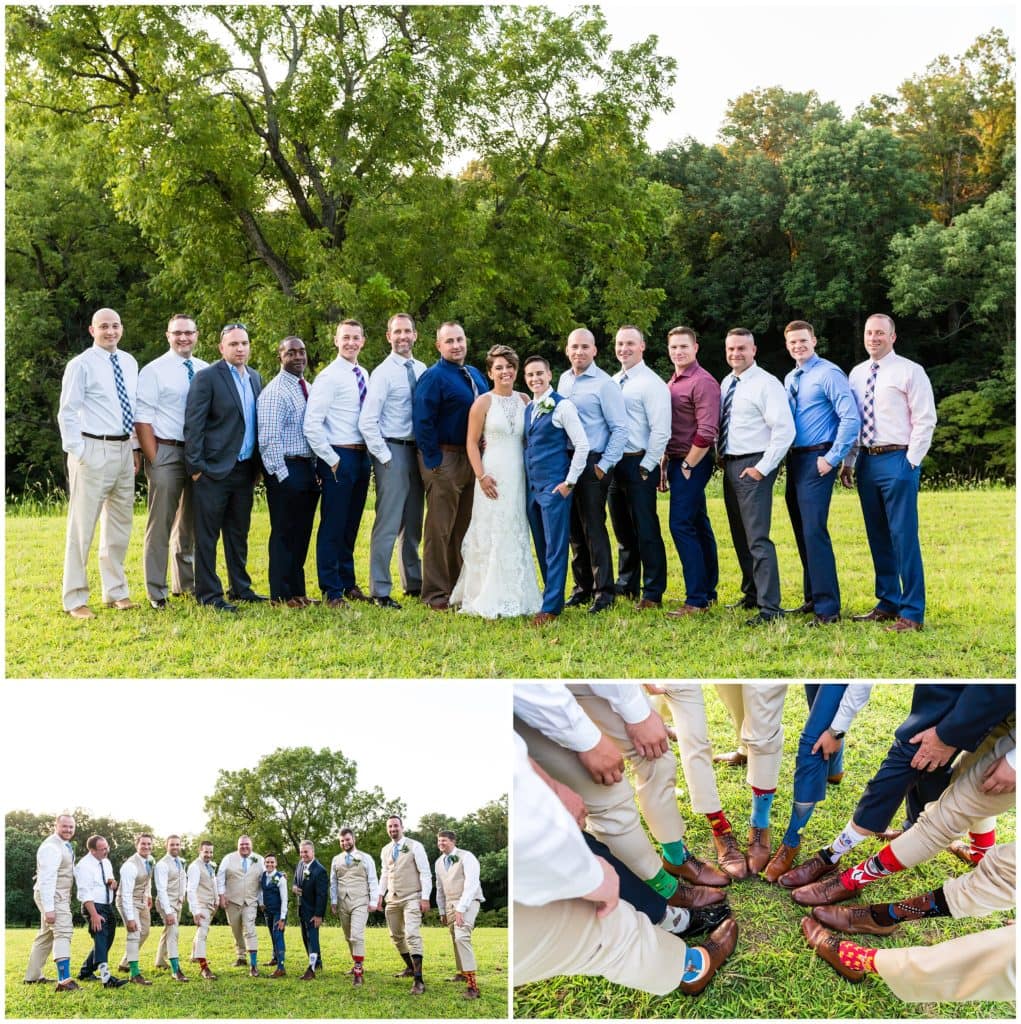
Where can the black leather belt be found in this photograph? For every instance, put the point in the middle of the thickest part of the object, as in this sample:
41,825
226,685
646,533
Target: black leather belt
401,440
300,458
750,455
633,455
811,448
106,437
882,449
172,444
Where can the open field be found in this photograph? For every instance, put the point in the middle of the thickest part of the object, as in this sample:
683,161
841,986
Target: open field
234,994
773,973
967,543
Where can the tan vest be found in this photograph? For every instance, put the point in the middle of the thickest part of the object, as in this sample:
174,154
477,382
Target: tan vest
403,880
352,881
177,882
206,889
452,880
142,889
242,887
65,872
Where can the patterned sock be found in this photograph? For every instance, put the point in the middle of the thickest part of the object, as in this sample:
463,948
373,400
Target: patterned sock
253,957
719,823
63,969
762,805
416,962
203,963
104,973
847,840
135,972
664,883
175,965
871,869
676,919
858,958
800,813
470,976
694,964
677,853
981,843
929,904
313,959
358,964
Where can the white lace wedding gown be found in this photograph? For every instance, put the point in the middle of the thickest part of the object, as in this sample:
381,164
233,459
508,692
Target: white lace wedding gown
498,576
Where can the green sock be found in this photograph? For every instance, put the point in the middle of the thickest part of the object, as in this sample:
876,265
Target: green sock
175,965
664,883
677,853
135,972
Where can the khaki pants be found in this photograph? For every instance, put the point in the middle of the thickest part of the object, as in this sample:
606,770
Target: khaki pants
169,525
625,947
687,709
198,943
167,948
988,887
405,921
353,922
979,966
134,941
757,710
101,487
241,919
461,936
55,938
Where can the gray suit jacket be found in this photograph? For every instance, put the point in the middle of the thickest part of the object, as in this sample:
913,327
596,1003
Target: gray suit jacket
214,421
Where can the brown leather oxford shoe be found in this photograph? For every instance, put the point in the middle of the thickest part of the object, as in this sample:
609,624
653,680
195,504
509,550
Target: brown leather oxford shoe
829,890
827,945
853,920
691,896
759,840
733,758
717,946
729,855
876,615
697,872
816,867
780,863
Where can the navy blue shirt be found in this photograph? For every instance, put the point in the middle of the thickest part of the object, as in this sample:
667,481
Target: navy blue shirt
440,412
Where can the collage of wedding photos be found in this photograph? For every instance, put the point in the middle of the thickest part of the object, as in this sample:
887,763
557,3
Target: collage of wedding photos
510,512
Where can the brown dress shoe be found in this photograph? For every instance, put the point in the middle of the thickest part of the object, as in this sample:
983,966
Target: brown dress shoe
241,962
309,975
684,611
253,972
180,976
418,988
962,851
816,867
83,611
890,834
336,602
734,758
690,896
876,615
829,890
781,862
697,872
903,625
759,840
827,945
471,993
139,979
406,973
543,617
70,985
121,604
854,920
729,855
719,944
279,973
355,594
646,603
458,977
208,974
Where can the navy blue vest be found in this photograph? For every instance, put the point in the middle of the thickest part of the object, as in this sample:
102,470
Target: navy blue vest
547,459
270,892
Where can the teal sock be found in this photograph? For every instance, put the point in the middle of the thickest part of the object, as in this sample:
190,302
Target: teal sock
693,964
762,805
175,965
252,956
800,813
677,853
63,969
664,883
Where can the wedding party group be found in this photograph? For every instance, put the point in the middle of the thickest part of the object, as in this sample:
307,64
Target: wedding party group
470,473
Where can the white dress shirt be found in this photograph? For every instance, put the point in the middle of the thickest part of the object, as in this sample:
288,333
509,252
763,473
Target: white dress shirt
551,709
89,401
905,409
551,860
128,875
195,870
565,417
417,850
281,884
162,875
387,409
47,860
90,877
472,883
629,700
163,393
855,697
760,417
370,870
647,399
333,409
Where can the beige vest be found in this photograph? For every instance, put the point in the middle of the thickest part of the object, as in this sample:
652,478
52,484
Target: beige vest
403,880
242,887
142,889
206,889
177,882
65,871
352,881
452,880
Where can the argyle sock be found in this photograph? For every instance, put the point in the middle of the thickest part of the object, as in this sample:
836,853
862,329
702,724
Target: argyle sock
175,965
63,969
470,975
676,919
800,813
358,964
104,973
719,823
406,957
981,843
929,904
847,840
694,964
677,853
871,869
416,961
762,805
858,958
135,972
664,883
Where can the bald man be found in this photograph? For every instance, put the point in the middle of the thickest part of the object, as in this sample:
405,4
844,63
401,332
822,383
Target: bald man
96,416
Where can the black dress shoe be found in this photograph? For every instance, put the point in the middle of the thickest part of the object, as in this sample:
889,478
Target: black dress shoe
823,620
705,919
159,605
89,977
577,599
762,619
600,604
223,606
412,593
876,615
112,982
623,592
803,609
745,603
386,602
250,597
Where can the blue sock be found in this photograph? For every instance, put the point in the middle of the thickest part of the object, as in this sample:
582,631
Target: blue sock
175,964
693,964
252,956
63,969
762,804
677,853
800,813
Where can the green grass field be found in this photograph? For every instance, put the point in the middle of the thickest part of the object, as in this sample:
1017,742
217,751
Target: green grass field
234,994
773,973
967,542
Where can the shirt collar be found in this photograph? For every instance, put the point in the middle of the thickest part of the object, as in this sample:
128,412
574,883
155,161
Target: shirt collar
811,361
536,399
689,369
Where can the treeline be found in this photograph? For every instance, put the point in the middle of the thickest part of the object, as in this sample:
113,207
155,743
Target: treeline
292,794
291,166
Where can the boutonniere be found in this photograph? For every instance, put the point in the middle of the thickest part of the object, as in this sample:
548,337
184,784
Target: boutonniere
546,405
454,859
404,848
356,859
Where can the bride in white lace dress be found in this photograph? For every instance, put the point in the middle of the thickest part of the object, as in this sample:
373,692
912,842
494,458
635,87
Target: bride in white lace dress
498,576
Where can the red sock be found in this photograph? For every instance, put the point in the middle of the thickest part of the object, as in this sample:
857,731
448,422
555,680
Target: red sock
762,792
202,962
872,869
358,964
981,843
719,822
858,958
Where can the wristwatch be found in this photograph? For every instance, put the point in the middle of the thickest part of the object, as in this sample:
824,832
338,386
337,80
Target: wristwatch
836,735
684,465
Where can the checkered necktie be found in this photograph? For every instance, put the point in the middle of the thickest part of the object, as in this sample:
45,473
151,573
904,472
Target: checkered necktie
728,400
409,366
127,420
792,391
360,377
190,368
868,409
